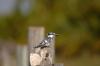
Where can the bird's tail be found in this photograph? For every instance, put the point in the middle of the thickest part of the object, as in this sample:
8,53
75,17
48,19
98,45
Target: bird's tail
41,46
37,46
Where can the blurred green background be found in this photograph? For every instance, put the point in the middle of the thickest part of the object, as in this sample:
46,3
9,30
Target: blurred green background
78,22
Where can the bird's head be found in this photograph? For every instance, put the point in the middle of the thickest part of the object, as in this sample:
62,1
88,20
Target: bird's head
52,34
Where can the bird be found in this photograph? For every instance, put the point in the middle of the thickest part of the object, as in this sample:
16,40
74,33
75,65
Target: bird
41,51
46,42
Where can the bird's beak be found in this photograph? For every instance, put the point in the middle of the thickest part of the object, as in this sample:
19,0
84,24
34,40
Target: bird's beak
57,34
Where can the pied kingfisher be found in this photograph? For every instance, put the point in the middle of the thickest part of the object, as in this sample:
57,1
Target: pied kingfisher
47,41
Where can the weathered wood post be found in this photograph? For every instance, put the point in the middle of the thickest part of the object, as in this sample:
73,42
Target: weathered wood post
6,58
36,35
22,55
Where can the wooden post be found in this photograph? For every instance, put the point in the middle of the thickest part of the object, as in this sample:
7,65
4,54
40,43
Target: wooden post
22,55
6,57
36,35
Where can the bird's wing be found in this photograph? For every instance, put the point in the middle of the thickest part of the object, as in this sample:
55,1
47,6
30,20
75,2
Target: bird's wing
42,43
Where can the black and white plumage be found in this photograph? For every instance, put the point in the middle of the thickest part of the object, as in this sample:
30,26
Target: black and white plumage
42,53
47,41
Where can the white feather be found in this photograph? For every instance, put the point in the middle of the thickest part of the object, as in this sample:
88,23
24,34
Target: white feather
51,36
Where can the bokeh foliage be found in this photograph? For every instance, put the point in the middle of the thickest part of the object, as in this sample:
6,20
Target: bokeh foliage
78,22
